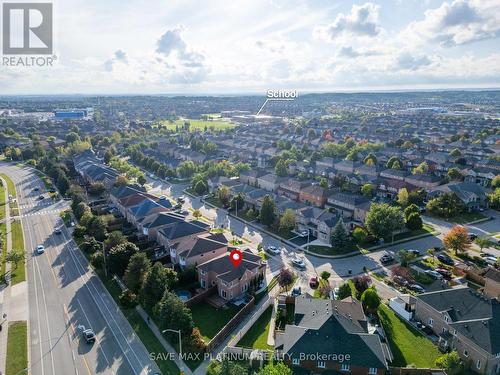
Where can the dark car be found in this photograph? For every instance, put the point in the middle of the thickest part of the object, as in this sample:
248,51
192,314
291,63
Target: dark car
58,231
472,236
88,336
41,197
443,258
400,280
414,252
386,258
417,288
313,282
36,188
443,271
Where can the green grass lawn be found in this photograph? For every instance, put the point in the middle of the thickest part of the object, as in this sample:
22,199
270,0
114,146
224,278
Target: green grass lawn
3,255
198,124
2,202
10,185
18,270
256,337
466,217
327,250
17,348
407,344
426,229
210,320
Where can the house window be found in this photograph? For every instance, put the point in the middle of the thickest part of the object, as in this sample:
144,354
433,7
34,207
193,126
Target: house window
202,283
478,364
466,353
344,367
295,361
321,364
446,319
372,371
223,293
431,322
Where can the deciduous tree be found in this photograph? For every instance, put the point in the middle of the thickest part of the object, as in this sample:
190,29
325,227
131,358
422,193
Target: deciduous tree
457,239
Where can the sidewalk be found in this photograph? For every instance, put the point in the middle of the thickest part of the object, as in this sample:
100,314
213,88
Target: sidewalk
14,303
157,332
5,290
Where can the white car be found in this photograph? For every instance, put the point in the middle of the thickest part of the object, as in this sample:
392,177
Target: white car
298,263
40,249
491,260
273,250
303,233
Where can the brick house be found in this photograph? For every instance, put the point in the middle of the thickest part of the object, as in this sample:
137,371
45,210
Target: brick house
330,336
291,188
231,281
314,195
198,249
465,321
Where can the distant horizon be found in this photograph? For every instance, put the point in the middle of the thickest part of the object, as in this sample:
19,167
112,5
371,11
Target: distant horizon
239,94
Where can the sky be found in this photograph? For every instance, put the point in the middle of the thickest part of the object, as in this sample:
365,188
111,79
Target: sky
240,46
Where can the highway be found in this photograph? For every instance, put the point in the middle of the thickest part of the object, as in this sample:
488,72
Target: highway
64,294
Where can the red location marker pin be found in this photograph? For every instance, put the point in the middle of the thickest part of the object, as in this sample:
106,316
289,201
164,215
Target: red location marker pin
235,256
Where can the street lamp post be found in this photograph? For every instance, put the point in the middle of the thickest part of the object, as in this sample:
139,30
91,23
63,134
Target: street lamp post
180,339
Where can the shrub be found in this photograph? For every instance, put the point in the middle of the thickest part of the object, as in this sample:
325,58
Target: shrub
128,299
97,260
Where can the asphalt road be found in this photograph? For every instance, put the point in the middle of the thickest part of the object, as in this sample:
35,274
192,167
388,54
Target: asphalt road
64,294
338,268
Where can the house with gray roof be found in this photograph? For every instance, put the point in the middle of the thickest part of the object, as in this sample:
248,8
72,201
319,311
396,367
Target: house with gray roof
331,336
232,282
465,321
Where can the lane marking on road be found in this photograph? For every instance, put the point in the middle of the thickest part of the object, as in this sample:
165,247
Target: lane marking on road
68,322
88,280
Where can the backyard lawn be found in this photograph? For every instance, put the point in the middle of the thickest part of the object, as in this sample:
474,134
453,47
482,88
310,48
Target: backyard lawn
17,348
210,320
407,344
256,337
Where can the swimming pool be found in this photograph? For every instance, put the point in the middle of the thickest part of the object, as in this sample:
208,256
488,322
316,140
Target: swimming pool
184,295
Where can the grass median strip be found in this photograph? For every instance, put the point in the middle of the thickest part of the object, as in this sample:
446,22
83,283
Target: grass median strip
17,348
18,270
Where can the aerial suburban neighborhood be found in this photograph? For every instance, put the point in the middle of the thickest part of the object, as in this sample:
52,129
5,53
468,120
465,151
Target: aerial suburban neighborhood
262,188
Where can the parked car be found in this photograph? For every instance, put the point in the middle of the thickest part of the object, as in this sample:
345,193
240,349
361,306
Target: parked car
36,188
298,263
446,259
181,199
273,250
58,231
416,288
434,274
88,335
41,197
40,249
414,252
386,258
313,282
444,272
400,280
472,236
334,294
490,260
297,291
303,233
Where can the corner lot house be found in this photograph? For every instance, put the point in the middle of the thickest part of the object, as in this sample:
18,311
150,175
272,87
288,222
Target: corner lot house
231,281
467,322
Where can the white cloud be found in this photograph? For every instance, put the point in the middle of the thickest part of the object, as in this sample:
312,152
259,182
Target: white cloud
363,20
458,22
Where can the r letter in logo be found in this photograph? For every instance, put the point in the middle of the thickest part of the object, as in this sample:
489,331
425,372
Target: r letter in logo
27,29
